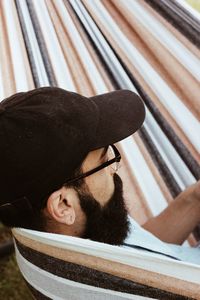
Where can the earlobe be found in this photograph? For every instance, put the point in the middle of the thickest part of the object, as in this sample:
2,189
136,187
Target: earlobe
70,218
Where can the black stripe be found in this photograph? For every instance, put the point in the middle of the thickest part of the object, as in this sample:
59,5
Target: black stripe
182,150
28,45
176,142
149,250
85,275
41,44
179,18
162,167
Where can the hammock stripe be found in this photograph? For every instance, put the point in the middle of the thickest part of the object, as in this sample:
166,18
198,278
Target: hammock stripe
97,46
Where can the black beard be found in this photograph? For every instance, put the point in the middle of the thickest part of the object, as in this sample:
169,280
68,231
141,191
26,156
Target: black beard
109,223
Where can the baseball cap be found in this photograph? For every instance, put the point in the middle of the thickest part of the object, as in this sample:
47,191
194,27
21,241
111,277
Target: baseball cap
46,133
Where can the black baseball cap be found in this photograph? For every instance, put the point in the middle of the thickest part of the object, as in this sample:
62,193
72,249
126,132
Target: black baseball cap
47,132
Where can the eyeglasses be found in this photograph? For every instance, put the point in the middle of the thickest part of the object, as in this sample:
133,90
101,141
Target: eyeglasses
115,158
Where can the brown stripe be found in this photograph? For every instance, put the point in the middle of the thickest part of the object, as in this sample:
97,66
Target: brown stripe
137,275
85,275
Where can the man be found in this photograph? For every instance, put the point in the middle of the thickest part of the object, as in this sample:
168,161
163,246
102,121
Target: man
58,171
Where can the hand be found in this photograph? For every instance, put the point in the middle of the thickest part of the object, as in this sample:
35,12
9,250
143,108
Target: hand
180,217
191,193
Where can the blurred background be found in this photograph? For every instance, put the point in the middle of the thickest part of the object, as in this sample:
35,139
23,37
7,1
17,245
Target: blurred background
92,47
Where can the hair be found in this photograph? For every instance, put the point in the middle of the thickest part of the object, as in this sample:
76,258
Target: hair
38,219
45,222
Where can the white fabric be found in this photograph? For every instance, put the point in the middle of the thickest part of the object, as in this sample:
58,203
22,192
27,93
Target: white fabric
140,237
129,256
178,110
58,288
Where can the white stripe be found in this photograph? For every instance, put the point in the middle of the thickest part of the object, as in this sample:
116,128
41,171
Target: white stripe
144,176
103,47
59,288
176,108
89,65
190,9
174,162
15,47
131,257
168,153
57,58
35,51
2,91
165,37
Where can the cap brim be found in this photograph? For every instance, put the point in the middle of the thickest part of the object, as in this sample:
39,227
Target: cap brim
121,113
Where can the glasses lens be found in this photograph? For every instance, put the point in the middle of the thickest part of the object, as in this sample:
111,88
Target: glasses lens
111,153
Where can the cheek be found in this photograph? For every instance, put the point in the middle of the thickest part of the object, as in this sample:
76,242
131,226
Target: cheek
101,185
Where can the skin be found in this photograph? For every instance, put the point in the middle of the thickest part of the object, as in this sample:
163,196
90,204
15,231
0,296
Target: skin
173,225
63,205
179,219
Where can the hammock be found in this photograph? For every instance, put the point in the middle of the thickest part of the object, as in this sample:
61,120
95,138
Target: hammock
58,266
92,47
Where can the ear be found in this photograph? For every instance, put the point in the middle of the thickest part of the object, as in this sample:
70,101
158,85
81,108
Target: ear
61,206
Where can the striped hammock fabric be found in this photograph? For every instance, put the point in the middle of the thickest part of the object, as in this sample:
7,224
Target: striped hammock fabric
92,47
64,267
96,46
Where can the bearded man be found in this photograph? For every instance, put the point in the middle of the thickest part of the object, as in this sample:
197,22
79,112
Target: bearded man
58,171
